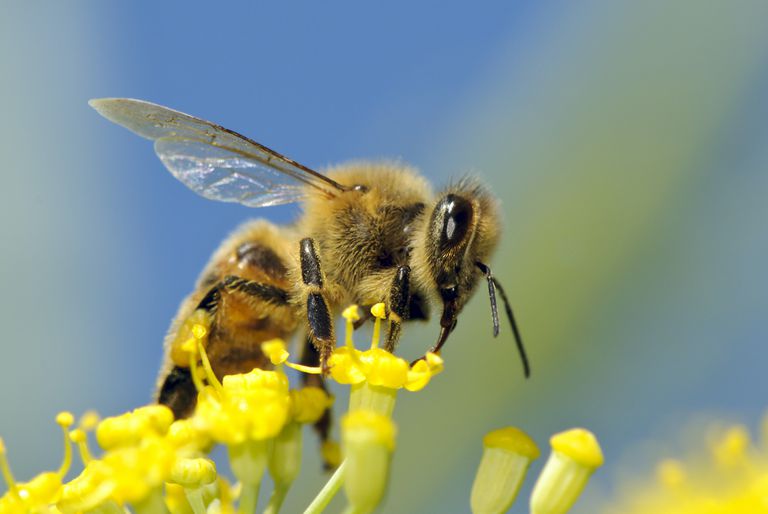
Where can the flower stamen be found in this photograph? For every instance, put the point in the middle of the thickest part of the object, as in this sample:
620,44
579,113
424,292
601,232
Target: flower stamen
379,311
5,468
207,367
65,420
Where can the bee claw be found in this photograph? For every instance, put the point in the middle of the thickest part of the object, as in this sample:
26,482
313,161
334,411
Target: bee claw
325,367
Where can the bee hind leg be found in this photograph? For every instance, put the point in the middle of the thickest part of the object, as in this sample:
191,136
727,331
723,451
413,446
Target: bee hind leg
318,312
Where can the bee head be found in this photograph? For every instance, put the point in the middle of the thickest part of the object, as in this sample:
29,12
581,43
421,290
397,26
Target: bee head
462,230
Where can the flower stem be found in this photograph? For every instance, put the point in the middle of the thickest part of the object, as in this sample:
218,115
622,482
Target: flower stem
249,498
327,493
277,498
195,499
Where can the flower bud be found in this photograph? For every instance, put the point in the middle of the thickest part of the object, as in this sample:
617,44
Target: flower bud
507,453
575,456
368,440
285,457
193,473
248,461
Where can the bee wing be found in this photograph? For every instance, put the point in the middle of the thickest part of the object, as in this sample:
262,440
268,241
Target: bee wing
213,161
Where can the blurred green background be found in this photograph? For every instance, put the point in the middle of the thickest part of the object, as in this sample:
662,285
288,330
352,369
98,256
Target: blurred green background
626,140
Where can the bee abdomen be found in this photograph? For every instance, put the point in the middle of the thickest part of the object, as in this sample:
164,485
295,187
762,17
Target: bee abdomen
260,256
178,392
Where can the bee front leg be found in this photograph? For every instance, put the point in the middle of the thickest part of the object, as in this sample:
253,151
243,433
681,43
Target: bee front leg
399,299
318,312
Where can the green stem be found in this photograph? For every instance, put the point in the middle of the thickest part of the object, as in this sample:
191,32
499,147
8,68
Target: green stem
351,509
152,504
277,498
195,499
328,491
249,498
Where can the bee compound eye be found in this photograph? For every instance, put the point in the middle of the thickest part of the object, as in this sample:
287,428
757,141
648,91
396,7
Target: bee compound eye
456,215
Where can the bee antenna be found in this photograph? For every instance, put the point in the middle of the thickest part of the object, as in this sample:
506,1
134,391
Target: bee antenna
494,284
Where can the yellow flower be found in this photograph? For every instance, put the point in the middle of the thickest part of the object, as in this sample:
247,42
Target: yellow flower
188,438
575,455
92,488
43,490
507,453
374,374
730,476
138,460
250,406
130,428
376,366
308,404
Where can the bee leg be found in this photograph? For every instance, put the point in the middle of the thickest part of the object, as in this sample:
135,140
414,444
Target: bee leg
399,300
311,357
265,292
318,313
363,318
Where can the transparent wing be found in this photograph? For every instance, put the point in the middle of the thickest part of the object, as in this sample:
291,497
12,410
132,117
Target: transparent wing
213,161
219,174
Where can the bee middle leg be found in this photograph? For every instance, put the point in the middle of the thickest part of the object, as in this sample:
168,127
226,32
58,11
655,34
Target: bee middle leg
318,312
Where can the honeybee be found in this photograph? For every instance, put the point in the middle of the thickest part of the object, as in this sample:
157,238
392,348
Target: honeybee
369,233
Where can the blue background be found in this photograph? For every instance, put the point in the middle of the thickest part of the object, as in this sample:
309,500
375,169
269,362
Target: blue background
626,140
